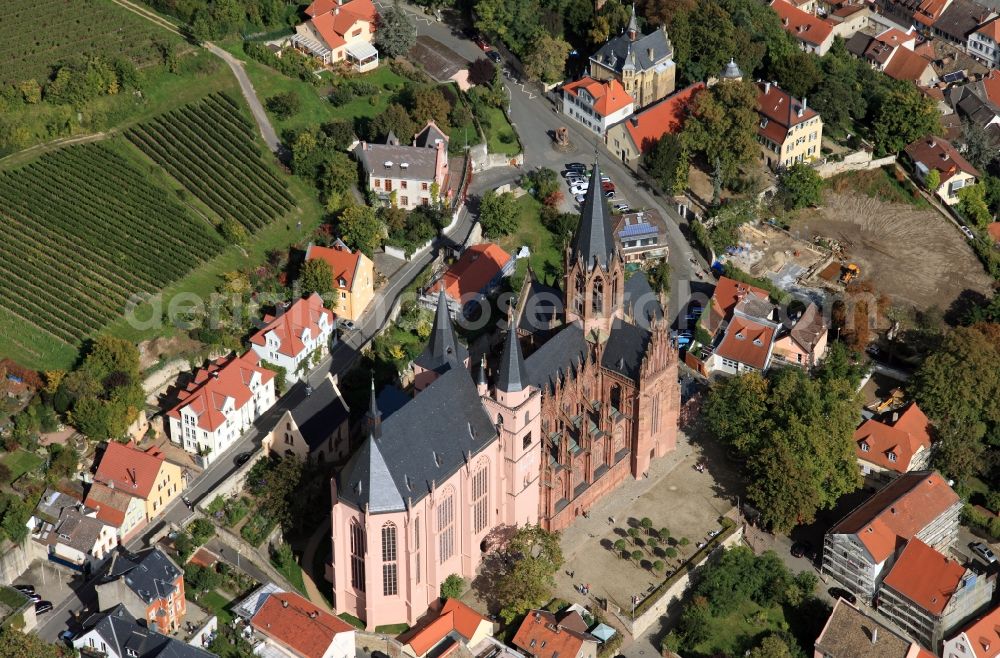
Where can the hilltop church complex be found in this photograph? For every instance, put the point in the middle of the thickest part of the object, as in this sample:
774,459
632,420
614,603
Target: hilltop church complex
534,439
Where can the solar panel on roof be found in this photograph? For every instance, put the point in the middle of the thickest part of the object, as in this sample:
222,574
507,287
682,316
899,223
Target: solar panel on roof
633,230
954,76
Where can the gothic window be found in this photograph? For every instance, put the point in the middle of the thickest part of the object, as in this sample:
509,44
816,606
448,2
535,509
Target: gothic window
446,528
416,547
358,556
581,293
619,440
597,296
390,584
616,397
655,420
480,499
527,441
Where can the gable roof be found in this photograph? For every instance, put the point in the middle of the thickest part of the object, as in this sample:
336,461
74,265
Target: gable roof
121,633
110,504
984,634
297,624
937,153
319,413
960,18
302,316
541,635
897,512
444,351
593,241
455,617
422,445
747,342
728,292
429,135
991,30
779,111
925,577
558,357
808,329
77,530
344,263
473,271
665,117
126,468
608,96
223,379
850,633
421,163
625,348
904,438
801,24
332,21
621,52
150,574
907,65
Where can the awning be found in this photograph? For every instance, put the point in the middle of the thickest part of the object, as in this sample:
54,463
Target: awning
603,632
361,51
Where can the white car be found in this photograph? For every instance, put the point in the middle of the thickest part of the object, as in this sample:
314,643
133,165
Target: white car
576,181
580,198
577,189
968,233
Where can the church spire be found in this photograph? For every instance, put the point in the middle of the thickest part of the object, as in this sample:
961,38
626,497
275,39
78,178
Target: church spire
374,417
594,241
633,26
513,376
442,347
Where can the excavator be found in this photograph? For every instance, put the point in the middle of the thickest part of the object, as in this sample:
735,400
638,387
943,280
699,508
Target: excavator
849,272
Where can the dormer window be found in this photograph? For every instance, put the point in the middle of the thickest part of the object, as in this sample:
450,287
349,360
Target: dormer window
740,336
892,456
758,342
865,447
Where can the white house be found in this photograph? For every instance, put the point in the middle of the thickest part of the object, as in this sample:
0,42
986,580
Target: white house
78,538
984,43
116,634
289,625
979,639
597,104
296,338
221,403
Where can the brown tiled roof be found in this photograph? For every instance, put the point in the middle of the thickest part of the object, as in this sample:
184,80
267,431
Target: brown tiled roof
925,577
609,96
111,504
897,512
801,24
907,65
454,616
779,112
747,342
937,153
849,633
903,438
809,328
303,315
665,117
129,469
724,299
473,271
541,635
342,261
299,625
984,634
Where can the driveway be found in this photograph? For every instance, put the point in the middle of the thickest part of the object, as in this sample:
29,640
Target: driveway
66,589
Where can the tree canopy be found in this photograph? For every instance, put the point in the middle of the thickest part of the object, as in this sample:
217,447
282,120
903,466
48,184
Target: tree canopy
396,33
530,561
316,276
722,126
498,214
800,186
360,229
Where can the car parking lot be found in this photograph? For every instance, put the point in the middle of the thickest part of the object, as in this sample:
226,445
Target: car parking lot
576,176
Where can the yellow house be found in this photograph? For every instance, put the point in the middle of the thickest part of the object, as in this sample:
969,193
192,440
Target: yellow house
789,131
340,32
644,64
954,171
353,277
315,427
142,474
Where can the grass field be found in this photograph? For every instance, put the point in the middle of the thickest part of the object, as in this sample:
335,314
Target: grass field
546,257
293,573
20,462
734,633
500,135
216,604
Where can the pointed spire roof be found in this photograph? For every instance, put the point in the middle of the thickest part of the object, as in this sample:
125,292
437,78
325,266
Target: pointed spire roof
732,70
374,416
594,239
481,373
513,375
443,350
633,24
367,480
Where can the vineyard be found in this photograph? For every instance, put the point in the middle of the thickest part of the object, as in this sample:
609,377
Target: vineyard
209,148
81,230
38,34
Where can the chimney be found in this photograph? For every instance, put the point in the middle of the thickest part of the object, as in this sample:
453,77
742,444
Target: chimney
805,103
895,416
649,53
945,156
284,603
874,634
932,142
784,21
767,87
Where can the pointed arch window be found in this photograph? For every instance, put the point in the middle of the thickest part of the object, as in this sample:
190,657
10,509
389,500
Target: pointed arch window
480,499
446,528
390,581
581,293
597,296
358,556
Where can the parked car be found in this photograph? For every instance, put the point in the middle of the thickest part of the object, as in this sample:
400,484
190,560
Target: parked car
25,589
580,198
243,458
622,207
841,593
66,636
493,55
572,173
576,180
347,325
802,549
42,606
33,597
577,189
968,233
481,42
578,166
683,341
983,551
610,194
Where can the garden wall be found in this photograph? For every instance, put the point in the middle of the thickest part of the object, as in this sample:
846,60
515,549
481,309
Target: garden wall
16,558
857,161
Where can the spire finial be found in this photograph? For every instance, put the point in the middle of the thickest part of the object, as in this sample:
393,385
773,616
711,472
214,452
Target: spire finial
374,416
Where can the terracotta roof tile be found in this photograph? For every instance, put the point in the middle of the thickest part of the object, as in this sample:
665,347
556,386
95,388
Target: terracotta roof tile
724,299
225,378
111,504
848,634
343,262
925,577
903,438
608,97
897,512
332,21
540,635
937,153
454,616
801,24
907,65
665,117
471,273
991,30
129,469
984,634
994,230
298,624
747,342
304,315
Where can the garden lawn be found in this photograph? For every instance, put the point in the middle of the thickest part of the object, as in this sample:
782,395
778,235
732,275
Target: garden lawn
216,604
879,184
546,258
293,574
500,135
20,462
734,633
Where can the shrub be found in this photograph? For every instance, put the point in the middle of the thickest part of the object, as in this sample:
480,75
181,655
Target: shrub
452,587
557,605
201,531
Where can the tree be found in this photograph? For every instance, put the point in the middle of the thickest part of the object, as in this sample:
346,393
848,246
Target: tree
27,645
736,411
452,587
979,146
544,182
531,558
233,232
658,566
932,181
646,524
633,534
396,34
972,204
316,276
360,229
284,105
772,646
63,462
800,186
428,103
664,535
31,91
498,214
621,546
904,114
546,60
394,119
481,72
667,162
722,126
659,277
636,556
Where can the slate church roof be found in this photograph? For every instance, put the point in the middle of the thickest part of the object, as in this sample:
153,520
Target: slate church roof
443,350
619,52
594,237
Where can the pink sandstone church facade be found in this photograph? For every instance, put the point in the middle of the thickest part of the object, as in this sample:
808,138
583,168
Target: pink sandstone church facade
534,440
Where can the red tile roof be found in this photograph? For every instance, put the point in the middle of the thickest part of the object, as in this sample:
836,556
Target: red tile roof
608,97
903,438
991,84
937,153
994,230
929,11
992,31
801,24
454,616
895,37
663,118
302,316
925,577
907,65
746,341
473,271
984,634
111,504
897,512
541,635
343,263
724,299
129,469
779,111
298,624
333,21
225,378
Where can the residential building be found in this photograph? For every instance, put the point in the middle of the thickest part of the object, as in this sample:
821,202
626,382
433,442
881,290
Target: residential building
928,595
642,236
813,34
221,402
132,487
888,448
993,231
644,64
72,533
315,427
353,277
338,32
597,104
116,633
456,624
850,633
979,102
959,20
954,171
290,625
296,338
894,52
635,136
978,639
148,584
984,43
805,341
465,456
476,273
544,635
789,130
860,549
407,176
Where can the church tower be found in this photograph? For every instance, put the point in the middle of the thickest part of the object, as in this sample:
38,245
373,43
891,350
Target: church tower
443,351
595,272
515,406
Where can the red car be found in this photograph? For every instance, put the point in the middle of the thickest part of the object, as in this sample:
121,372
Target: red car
481,42
607,187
